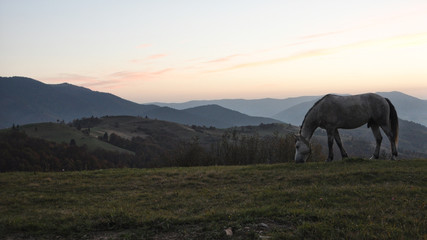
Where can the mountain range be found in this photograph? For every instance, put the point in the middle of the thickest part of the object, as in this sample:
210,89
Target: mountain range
25,100
293,110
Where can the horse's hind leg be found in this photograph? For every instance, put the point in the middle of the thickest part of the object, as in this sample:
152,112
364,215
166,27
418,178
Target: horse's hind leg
377,134
389,134
339,143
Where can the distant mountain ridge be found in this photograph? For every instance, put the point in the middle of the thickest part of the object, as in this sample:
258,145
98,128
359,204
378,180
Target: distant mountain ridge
234,118
25,100
209,115
265,107
293,110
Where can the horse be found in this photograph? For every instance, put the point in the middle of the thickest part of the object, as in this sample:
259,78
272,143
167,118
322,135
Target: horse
333,112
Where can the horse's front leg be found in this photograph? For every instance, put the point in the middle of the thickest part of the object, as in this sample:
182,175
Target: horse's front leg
330,145
338,140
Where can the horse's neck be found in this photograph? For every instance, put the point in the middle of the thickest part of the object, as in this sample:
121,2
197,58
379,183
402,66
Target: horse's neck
308,127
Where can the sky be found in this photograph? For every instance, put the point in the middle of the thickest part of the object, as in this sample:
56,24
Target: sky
176,51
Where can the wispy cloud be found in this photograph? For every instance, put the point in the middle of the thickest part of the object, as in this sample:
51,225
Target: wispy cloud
126,78
225,59
70,78
297,56
326,34
160,72
418,38
110,81
390,19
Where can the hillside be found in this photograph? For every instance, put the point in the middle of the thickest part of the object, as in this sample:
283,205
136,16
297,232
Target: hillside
61,133
209,115
266,107
157,143
353,199
25,100
358,142
226,118
165,134
295,114
125,141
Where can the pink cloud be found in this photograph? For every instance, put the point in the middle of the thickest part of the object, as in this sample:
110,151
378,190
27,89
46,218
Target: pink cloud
126,76
224,59
144,45
135,60
160,72
156,56
84,81
110,81
70,78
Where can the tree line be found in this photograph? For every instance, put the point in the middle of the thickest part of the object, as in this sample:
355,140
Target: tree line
235,148
19,152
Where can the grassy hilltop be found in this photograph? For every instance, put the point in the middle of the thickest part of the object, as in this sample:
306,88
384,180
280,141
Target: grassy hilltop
351,199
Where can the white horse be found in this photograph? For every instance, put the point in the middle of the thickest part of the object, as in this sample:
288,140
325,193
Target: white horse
332,112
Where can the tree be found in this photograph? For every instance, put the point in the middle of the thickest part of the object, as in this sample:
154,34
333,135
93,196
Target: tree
105,137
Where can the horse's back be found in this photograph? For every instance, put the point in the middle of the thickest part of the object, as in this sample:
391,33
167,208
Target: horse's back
352,111
366,101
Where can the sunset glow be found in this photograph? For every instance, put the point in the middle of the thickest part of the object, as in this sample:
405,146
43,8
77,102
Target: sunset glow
173,51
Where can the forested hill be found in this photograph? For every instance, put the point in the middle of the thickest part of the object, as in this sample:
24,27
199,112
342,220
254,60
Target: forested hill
125,141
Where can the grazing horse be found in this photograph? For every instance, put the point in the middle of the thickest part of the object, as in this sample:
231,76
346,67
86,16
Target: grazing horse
332,112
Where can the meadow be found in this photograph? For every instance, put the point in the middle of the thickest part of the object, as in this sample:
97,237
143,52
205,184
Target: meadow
349,199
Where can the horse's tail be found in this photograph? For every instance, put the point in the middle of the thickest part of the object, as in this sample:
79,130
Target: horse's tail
394,122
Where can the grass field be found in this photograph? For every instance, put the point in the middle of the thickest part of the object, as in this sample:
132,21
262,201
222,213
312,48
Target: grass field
351,199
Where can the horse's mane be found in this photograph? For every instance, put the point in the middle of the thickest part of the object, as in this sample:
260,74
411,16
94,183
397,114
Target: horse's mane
314,105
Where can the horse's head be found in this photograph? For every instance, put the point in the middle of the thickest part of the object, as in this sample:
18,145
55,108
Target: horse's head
302,149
